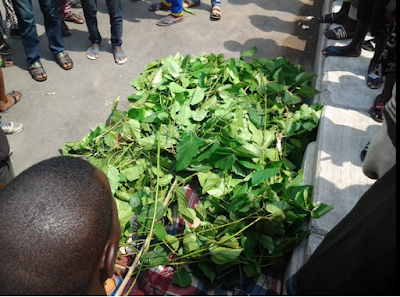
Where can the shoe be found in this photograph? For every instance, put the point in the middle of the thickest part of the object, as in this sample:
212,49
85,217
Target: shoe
76,4
11,127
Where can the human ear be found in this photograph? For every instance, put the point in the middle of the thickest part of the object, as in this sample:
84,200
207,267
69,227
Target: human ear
109,256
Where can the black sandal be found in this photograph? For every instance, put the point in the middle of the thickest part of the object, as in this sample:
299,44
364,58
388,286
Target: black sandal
36,69
63,59
65,31
5,49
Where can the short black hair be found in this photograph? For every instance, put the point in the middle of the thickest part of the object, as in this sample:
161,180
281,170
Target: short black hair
55,220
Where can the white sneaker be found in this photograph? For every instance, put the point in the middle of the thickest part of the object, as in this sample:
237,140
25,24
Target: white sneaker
11,127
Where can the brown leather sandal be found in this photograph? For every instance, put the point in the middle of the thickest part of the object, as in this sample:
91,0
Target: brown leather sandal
36,70
63,59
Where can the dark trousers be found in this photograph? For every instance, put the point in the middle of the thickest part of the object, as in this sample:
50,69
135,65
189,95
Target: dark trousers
6,171
27,27
115,11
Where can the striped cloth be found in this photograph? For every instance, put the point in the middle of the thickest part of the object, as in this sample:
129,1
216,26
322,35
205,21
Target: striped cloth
158,280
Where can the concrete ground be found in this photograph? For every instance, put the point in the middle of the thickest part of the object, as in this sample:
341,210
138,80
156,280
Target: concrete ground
69,103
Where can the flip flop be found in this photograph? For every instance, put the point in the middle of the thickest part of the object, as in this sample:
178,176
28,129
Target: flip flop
337,33
92,54
331,51
374,82
376,110
118,57
327,18
158,6
169,21
14,96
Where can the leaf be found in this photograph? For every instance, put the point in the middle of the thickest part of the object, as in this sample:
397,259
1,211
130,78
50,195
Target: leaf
133,173
261,176
190,244
113,178
208,269
159,231
224,255
175,88
251,53
181,277
277,206
320,210
198,96
189,214
187,149
124,212
208,181
267,242
172,242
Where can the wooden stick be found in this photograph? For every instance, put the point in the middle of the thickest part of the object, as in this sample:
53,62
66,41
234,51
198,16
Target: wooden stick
146,243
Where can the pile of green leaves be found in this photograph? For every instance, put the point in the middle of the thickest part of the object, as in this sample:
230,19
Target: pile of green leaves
240,128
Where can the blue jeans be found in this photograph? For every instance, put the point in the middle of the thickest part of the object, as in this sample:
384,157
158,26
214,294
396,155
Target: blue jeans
115,11
27,27
215,3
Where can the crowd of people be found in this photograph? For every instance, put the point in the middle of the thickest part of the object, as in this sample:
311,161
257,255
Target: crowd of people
344,263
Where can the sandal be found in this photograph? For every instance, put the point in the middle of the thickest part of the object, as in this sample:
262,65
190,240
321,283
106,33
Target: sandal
63,59
374,82
74,18
120,58
190,3
159,6
76,4
169,20
327,18
36,70
369,45
338,33
216,13
5,49
92,51
65,31
15,96
376,110
7,62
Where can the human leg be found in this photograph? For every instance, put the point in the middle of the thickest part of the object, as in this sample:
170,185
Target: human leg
27,28
353,49
381,100
339,17
176,15
116,21
216,9
52,25
90,12
11,19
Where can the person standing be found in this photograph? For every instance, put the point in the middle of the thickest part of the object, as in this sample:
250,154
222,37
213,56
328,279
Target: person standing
116,20
30,37
176,12
66,15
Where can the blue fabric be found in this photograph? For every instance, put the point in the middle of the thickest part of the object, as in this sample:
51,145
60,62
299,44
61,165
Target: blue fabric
176,6
215,3
116,19
27,27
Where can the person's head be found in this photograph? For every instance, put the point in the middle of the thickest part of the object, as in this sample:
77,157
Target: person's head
59,230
